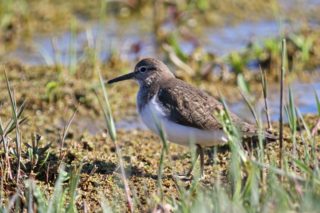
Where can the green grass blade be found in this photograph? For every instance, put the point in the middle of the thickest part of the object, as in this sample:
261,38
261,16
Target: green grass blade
317,101
57,200
73,184
107,110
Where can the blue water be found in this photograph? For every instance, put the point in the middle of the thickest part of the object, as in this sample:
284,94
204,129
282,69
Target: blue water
236,38
122,37
66,47
304,99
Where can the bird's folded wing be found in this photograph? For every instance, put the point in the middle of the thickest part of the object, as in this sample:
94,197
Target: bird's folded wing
189,106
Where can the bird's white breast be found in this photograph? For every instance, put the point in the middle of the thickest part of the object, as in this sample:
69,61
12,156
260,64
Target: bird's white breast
154,116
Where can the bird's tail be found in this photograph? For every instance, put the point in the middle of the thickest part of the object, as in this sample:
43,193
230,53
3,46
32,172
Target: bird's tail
266,135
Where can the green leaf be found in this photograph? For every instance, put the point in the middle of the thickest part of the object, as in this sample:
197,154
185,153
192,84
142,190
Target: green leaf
243,85
174,43
237,62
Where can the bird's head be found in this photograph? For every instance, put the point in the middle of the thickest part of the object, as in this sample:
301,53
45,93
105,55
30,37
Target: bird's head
146,72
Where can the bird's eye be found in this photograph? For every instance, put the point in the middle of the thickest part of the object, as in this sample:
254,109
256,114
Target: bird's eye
142,69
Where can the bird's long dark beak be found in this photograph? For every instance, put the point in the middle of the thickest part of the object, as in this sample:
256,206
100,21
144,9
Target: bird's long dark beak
122,78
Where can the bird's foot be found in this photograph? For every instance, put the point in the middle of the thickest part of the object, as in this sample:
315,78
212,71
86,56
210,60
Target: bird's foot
189,177
184,177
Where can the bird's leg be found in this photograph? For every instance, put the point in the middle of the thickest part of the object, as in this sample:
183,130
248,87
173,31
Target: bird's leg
199,152
193,162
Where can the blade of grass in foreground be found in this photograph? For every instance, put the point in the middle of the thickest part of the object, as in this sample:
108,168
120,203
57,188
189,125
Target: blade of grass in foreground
317,126
42,205
311,141
264,84
59,195
112,132
107,110
63,198
73,184
16,121
282,73
292,117
232,131
249,104
238,156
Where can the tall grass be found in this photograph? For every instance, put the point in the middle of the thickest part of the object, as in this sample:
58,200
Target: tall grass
264,85
113,135
15,125
292,117
29,196
282,73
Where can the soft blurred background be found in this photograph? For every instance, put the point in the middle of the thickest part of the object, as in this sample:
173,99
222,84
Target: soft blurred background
53,50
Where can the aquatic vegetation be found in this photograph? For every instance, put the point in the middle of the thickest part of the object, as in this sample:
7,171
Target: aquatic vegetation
304,43
52,89
237,62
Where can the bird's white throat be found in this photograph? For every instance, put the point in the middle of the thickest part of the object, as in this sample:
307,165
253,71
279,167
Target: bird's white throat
154,117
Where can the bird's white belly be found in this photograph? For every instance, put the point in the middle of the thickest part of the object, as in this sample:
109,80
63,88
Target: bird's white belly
154,118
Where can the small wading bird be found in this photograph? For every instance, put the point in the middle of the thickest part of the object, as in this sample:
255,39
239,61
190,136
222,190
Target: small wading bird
184,112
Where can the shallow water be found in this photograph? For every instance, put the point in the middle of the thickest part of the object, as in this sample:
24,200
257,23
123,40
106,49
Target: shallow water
304,99
67,47
134,38
235,38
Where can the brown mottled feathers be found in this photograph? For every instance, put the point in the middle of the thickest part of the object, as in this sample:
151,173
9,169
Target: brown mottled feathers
189,106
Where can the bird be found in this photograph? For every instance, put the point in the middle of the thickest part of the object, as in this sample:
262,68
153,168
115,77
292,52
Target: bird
181,111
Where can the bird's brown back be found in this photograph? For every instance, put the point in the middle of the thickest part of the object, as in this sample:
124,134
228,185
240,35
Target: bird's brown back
192,107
